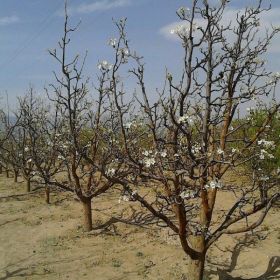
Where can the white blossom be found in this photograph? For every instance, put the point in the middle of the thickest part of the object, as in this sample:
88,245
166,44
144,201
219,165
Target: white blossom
186,194
264,178
169,75
183,30
196,149
149,161
250,109
111,172
124,198
123,51
214,185
147,153
185,119
183,11
128,125
64,146
266,144
276,75
163,154
60,157
104,65
264,154
257,60
88,145
112,42
220,151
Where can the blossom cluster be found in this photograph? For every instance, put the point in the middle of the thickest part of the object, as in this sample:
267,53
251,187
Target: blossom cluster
111,172
132,124
220,151
112,42
186,119
149,161
265,154
196,149
123,51
187,194
215,184
183,12
150,157
104,65
183,30
127,197
266,144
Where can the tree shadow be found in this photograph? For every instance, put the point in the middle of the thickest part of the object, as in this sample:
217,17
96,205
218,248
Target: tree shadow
135,218
22,196
272,272
24,272
14,273
11,272
7,222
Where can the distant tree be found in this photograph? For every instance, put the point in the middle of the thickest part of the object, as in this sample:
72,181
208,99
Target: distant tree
265,168
8,149
37,154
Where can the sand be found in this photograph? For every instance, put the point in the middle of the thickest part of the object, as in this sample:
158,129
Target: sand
40,241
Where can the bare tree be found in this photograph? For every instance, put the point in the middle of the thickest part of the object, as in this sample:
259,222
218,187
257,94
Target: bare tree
82,131
8,145
193,136
10,148
37,128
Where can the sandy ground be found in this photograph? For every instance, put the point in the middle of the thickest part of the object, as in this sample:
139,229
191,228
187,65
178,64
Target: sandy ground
40,241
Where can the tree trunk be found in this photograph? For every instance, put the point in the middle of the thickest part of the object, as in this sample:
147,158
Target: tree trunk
28,185
16,176
47,193
196,267
1,169
7,173
87,214
263,192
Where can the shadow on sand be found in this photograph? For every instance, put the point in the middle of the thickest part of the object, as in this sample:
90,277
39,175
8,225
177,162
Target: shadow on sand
272,272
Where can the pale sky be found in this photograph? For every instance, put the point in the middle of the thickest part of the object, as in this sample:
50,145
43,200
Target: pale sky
29,27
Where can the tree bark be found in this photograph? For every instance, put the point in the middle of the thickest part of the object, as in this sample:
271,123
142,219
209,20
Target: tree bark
196,266
16,176
196,269
87,214
28,185
47,194
263,192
